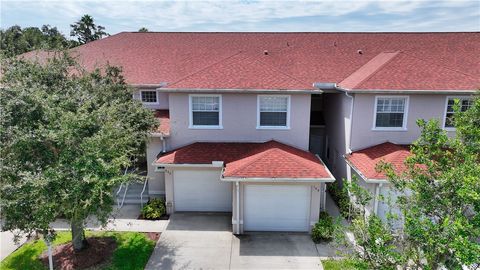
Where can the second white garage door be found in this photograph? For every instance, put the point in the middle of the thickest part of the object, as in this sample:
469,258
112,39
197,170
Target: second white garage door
201,190
276,208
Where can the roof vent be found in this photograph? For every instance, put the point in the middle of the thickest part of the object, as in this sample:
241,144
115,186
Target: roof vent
334,44
265,52
359,51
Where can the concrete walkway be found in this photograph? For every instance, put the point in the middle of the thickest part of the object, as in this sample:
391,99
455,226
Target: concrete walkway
205,241
8,245
329,250
124,219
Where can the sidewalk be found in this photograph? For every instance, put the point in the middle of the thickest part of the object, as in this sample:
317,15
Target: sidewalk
7,245
124,220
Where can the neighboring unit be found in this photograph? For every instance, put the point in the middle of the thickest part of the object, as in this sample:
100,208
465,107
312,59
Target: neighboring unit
247,119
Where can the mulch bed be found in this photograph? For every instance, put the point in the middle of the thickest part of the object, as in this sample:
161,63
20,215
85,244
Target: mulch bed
164,217
99,251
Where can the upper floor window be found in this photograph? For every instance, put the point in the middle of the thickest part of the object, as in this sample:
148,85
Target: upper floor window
205,111
391,113
464,102
149,96
273,111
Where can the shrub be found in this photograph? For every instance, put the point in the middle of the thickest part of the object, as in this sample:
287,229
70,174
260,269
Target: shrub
341,198
154,209
323,229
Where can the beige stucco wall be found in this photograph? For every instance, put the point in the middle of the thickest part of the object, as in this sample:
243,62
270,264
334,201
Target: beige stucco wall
420,106
156,180
316,197
337,120
239,113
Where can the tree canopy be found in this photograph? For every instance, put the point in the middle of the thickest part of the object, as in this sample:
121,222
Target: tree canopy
438,219
85,30
15,40
66,137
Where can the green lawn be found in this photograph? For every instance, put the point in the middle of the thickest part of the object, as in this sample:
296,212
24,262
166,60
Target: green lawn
345,264
133,251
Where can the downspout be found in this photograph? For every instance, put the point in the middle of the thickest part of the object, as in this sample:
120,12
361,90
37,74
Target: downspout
349,142
324,196
237,186
351,123
377,194
164,146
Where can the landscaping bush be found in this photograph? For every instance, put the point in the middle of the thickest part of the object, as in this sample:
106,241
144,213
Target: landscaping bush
154,209
341,198
323,229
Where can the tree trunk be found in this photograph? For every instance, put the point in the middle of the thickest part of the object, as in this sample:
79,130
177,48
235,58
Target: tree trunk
78,235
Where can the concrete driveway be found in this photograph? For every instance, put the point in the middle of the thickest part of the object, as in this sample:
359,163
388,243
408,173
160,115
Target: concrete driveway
205,241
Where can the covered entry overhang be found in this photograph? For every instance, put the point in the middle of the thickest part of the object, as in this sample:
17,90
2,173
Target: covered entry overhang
270,186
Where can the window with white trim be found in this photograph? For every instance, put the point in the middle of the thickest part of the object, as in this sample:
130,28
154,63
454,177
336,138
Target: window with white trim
149,96
273,111
205,110
464,102
390,112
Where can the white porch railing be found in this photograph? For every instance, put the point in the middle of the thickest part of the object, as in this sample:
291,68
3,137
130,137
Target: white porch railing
143,190
120,203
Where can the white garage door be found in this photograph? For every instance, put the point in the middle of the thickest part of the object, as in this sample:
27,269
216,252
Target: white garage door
201,191
276,208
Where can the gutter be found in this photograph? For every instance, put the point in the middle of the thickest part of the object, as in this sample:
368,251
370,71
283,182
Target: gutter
407,91
149,85
333,86
214,164
277,180
226,90
281,179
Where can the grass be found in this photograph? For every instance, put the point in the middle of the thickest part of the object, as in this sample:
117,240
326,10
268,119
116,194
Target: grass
344,264
132,253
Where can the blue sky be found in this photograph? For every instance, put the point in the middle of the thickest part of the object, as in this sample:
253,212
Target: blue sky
249,15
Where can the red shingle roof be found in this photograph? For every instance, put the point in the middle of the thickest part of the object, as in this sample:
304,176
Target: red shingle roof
366,160
252,160
427,61
163,117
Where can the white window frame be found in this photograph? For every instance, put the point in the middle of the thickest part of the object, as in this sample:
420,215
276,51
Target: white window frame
156,96
405,115
190,112
446,108
288,112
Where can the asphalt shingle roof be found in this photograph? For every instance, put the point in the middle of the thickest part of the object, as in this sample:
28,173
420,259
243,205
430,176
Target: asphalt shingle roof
251,160
425,61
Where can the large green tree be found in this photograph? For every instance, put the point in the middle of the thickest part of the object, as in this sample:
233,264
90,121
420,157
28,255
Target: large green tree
438,220
15,40
66,137
85,30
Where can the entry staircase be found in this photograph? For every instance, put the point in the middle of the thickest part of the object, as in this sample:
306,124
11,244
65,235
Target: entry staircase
132,193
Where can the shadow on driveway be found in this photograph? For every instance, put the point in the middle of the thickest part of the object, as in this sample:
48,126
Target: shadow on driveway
276,244
199,221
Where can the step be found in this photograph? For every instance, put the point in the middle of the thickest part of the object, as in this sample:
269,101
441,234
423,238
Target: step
135,201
